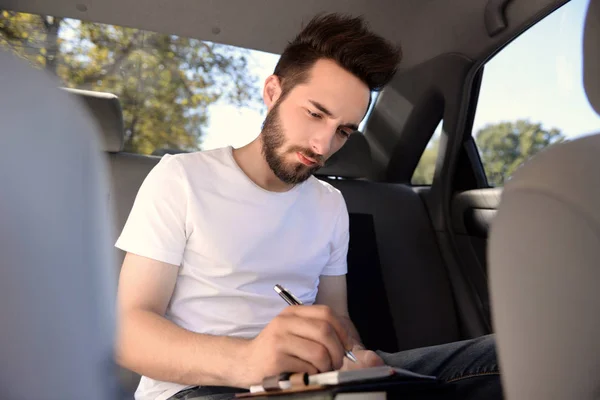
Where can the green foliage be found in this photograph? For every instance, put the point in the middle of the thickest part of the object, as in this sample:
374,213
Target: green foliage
165,83
503,148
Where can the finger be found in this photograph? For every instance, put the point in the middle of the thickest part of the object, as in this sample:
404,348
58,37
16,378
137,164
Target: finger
323,313
371,359
292,363
366,359
309,351
317,331
350,365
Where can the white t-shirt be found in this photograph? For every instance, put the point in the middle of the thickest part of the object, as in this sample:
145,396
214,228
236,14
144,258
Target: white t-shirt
233,241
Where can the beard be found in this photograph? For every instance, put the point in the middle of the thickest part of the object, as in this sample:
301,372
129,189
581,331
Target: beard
273,141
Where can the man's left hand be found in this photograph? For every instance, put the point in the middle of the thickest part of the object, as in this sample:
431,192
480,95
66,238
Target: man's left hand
366,359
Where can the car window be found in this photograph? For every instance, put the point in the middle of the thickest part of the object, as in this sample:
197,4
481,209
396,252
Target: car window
176,93
423,175
532,94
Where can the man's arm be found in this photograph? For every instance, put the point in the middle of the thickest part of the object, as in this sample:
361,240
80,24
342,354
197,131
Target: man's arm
155,347
299,339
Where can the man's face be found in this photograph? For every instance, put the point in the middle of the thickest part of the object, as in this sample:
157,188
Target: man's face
313,121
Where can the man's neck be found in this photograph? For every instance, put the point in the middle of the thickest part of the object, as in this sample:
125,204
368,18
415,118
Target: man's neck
252,162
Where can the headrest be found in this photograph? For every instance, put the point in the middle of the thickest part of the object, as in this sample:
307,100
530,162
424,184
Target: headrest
591,54
106,110
353,160
162,152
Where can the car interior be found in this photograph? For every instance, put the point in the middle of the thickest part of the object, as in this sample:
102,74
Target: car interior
418,268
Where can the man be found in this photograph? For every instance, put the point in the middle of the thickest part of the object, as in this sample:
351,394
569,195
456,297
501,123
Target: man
212,232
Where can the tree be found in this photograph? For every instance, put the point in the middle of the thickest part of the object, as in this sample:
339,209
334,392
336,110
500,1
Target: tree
503,147
32,37
165,83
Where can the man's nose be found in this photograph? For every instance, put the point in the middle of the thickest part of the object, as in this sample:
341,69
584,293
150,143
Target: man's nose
321,141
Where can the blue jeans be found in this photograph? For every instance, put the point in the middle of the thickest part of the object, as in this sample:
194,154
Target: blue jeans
470,366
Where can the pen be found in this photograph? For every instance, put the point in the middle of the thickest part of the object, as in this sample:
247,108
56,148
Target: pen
294,301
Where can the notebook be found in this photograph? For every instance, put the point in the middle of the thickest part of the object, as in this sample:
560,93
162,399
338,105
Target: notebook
364,374
371,383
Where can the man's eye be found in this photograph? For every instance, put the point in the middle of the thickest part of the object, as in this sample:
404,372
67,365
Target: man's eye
344,132
314,115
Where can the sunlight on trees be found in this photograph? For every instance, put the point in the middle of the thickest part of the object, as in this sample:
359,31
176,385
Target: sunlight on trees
165,83
503,147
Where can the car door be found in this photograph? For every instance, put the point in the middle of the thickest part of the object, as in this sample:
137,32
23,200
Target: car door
531,97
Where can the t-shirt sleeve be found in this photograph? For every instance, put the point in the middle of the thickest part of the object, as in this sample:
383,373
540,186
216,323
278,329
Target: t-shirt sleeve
338,264
156,224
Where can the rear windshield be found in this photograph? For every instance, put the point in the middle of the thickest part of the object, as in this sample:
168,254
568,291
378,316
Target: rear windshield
176,93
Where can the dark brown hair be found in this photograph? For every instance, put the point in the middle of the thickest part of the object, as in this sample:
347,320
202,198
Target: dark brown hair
344,39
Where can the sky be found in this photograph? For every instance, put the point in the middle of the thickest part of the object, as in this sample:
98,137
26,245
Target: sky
231,125
537,77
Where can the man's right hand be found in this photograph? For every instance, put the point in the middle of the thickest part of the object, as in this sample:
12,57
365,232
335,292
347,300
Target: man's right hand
300,339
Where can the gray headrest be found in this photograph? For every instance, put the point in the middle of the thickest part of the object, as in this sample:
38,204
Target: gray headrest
591,54
353,160
106,110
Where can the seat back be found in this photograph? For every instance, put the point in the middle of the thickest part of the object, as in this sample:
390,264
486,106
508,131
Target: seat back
544,253
56,290
399,294
126,173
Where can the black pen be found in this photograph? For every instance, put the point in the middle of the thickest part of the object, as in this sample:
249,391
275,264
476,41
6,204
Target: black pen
294,301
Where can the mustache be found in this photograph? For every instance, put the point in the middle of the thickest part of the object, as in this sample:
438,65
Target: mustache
310,154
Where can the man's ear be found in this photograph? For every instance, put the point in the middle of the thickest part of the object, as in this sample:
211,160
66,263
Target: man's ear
271,91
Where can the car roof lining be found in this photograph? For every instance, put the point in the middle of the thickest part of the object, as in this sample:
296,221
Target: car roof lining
424,28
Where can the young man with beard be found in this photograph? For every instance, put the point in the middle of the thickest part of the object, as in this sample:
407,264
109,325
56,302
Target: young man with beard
212,232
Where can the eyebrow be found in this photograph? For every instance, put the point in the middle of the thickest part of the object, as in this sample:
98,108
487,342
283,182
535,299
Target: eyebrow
325,111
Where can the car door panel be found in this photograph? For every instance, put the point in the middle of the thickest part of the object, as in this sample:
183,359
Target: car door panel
472,214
